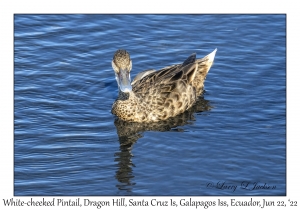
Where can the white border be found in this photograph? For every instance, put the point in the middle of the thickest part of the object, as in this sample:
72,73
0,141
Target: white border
9,7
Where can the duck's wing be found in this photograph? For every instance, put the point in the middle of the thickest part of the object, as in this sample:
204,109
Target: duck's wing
170,71
189,60
142,75
167,75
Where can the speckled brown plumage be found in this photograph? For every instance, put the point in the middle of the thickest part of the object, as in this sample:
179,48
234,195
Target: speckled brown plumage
128,131
122,58
158,95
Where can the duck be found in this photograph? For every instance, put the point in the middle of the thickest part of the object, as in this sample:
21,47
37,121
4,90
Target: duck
156,95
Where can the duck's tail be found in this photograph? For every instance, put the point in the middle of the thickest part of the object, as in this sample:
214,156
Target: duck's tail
208,60
204,65
211,57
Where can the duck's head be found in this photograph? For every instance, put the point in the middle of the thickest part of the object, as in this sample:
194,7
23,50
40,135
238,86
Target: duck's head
122,65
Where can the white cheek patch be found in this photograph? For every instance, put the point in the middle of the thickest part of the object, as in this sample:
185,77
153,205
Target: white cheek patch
130,66
117,78
116,69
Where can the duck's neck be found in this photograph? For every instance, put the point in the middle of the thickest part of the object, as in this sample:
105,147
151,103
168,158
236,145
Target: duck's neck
125,96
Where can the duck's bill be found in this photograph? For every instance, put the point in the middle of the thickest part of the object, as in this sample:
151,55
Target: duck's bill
123,78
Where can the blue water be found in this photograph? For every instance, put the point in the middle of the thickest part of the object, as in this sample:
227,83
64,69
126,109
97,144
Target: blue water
67,142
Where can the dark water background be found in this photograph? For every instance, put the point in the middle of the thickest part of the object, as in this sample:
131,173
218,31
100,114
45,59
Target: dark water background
66,141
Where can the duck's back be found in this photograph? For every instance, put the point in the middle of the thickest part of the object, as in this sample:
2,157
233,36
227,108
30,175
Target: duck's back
169,91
